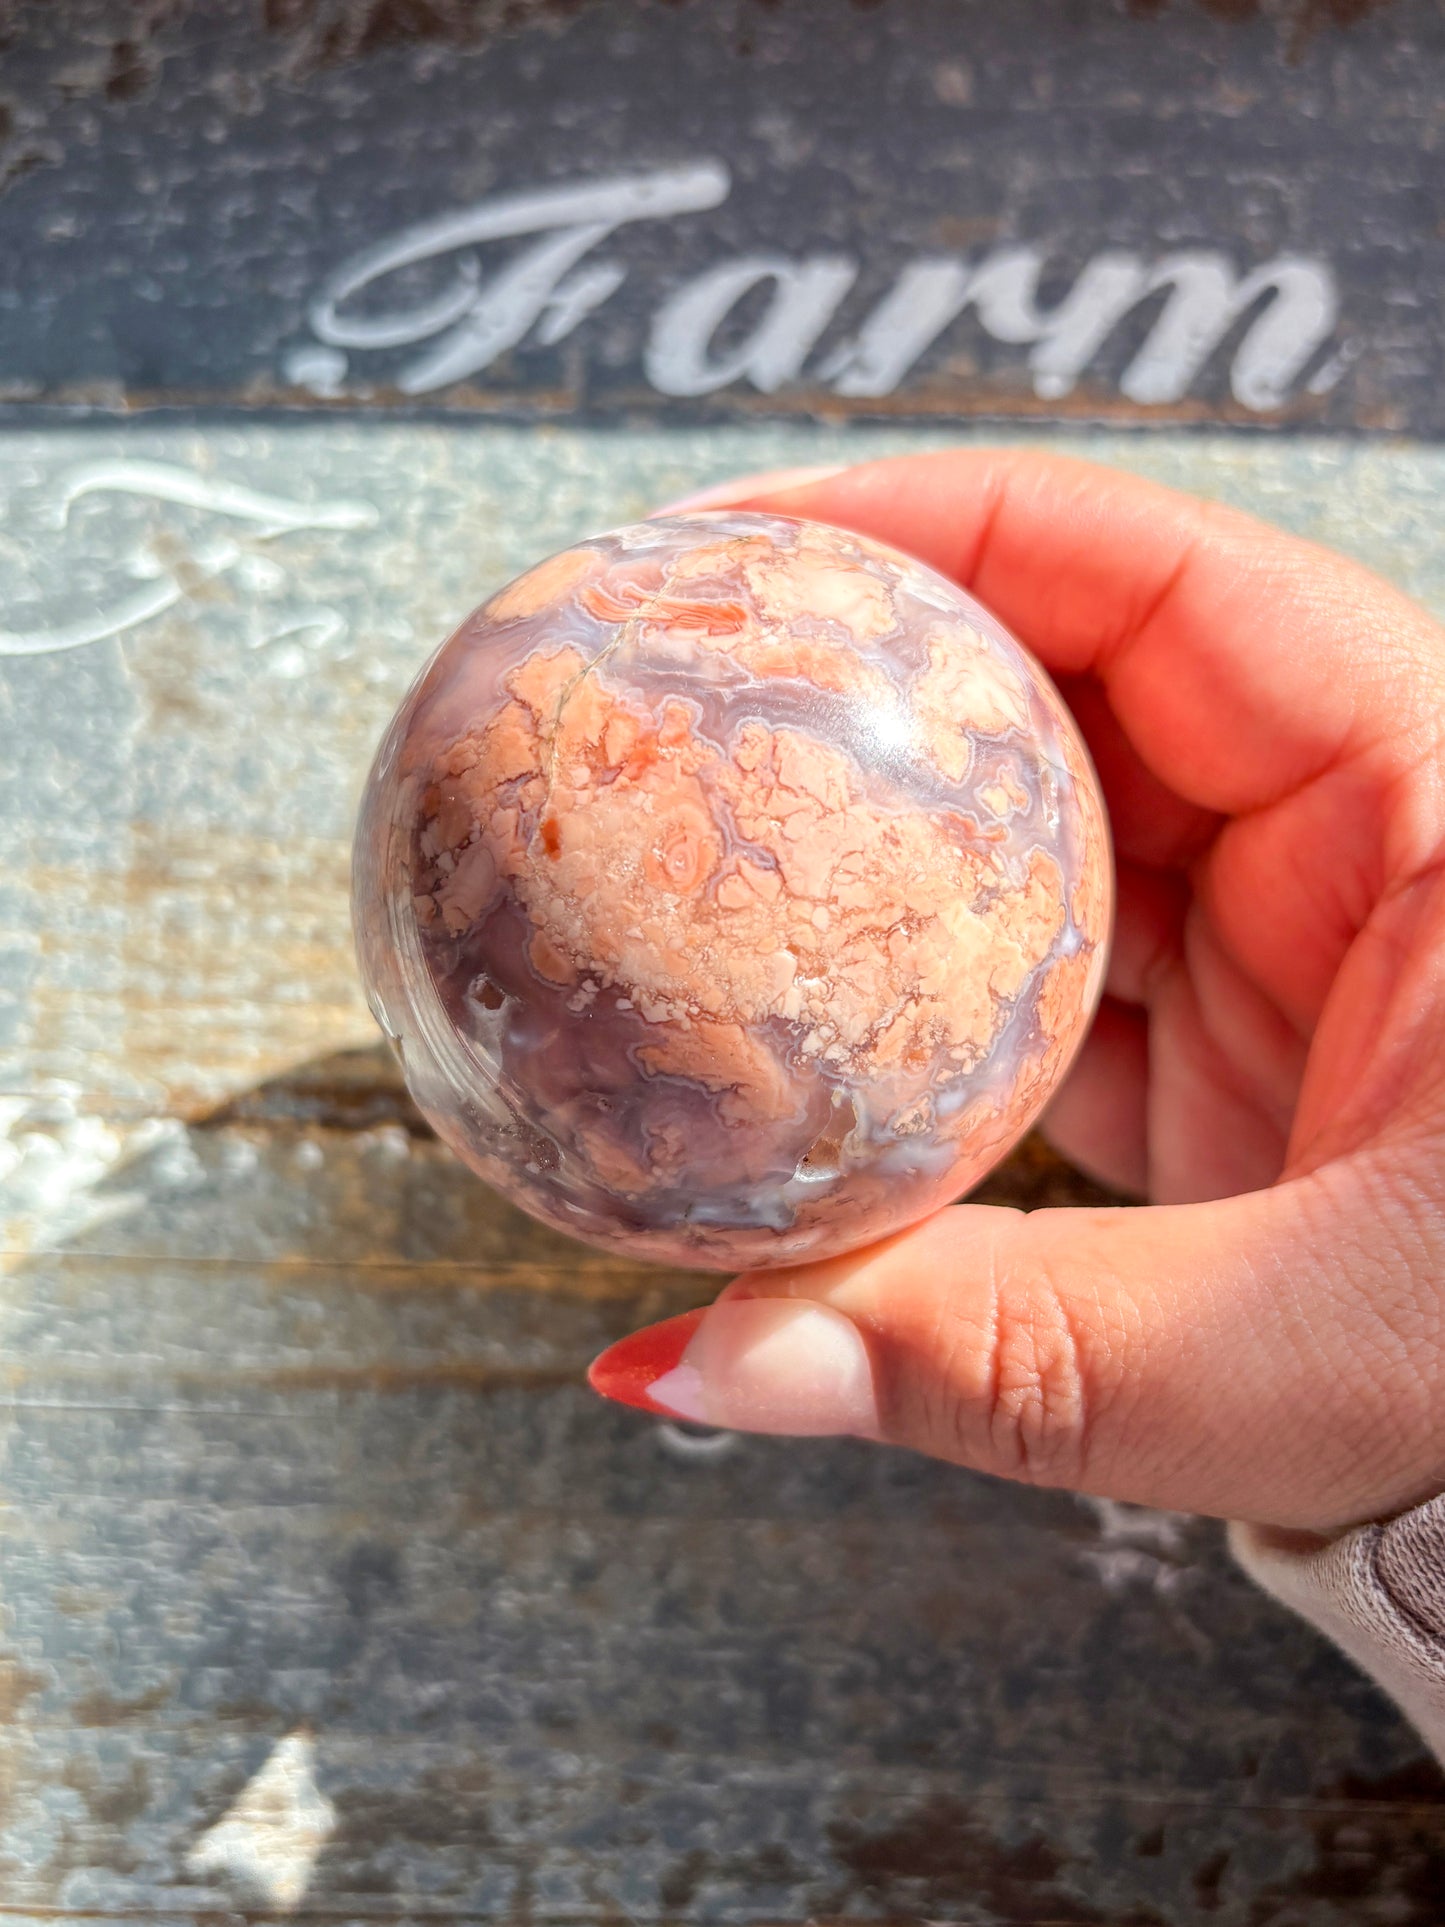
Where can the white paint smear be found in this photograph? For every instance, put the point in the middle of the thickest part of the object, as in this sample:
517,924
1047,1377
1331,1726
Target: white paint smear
130,614
271,1835
272,515
167,482
1123,1525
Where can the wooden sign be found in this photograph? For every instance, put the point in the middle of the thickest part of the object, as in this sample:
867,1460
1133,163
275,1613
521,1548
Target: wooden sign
327,1590
946,209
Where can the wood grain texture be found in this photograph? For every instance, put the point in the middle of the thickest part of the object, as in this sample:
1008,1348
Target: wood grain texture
293,1439
181,186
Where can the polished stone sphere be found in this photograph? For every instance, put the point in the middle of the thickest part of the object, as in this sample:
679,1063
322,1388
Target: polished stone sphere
735,890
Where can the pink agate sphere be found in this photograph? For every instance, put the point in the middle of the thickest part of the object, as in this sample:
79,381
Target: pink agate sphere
735,890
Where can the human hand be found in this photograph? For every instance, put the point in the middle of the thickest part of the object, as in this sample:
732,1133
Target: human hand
1266,1341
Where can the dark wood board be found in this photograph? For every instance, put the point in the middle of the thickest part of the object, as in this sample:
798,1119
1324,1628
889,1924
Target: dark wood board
313,1469
918,208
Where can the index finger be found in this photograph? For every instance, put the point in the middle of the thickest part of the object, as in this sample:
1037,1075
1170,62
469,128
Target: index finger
1241,662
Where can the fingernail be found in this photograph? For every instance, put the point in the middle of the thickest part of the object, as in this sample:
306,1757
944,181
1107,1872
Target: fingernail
766,482
778,1365
628,1370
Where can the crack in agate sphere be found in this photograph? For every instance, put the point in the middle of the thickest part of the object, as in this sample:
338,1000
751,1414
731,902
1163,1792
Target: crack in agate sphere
735,890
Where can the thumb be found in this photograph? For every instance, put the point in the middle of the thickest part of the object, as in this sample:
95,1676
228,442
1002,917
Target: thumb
1249,1357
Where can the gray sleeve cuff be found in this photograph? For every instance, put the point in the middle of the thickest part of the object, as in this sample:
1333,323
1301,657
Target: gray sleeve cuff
1378,1592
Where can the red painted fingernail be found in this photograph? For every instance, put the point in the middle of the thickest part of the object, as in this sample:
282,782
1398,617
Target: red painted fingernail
626,1370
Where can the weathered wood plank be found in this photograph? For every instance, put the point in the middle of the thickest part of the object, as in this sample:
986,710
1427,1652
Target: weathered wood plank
295,1460
222,204
176,798
813,1681
560,1662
